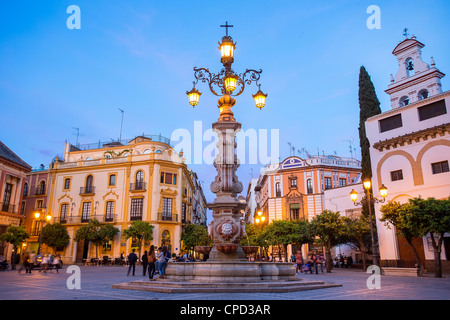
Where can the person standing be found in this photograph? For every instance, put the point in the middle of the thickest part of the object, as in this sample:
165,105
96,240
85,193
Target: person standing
151,262
162,261
144,263
315,261
299,262
132,258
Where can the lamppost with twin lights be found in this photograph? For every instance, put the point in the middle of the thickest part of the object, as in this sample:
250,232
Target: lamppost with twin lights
369,201
41,219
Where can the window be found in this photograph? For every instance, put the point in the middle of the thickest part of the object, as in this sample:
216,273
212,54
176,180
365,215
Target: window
86,212
139,180
391,123
112,180
167,209
396,175
327,181
309,186
25,190
342,182
89,184
7,197
440,167
22,208
63,213
404,101
40,204
183,212
109,215
432,110
66,183
423,94
278,189
136,208
294,183
168,178
40,189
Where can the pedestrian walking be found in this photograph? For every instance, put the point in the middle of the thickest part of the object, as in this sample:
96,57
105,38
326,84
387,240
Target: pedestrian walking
144,263
26,258
56,263
44,263
31,261
322,262
151,262
132,258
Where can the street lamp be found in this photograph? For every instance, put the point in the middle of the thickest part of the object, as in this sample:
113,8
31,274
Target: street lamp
40,217
369,201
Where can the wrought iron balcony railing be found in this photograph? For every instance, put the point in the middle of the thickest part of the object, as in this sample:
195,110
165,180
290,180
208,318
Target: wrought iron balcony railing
167,217
87,190
138,186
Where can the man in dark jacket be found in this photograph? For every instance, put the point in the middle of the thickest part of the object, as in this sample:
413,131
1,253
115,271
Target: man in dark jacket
132,258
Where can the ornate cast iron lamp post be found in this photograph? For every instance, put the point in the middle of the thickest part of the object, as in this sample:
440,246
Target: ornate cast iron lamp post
226,228
368,200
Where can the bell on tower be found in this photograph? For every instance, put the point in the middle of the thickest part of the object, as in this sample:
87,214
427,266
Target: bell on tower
415,79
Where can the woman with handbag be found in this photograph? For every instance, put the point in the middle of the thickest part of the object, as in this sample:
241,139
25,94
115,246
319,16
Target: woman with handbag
151,262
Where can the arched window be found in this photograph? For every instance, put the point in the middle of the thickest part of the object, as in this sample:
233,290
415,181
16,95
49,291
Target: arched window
278,189
89,184
309,186
41,188
423,94
404,101
139,180
409,65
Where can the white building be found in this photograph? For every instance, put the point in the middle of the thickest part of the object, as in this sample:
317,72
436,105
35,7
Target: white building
410,148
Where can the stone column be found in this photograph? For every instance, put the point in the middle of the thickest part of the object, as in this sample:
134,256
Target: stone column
226,229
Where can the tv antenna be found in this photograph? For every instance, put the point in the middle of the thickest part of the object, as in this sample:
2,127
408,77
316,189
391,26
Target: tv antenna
78,134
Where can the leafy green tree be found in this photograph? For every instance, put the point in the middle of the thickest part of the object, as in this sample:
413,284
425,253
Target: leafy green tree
280,233
55,236
195,235
329,226
138,231
432,216
358,232
15,236
96,233
251,235
303,234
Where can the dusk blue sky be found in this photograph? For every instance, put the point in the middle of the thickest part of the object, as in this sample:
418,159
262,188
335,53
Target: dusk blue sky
139,56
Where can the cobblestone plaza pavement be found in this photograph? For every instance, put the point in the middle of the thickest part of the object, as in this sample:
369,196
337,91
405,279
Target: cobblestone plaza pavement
96,284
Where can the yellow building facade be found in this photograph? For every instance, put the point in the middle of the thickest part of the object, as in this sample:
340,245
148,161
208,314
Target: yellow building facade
140,179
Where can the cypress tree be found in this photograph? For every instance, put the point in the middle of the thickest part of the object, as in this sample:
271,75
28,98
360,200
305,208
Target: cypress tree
369,105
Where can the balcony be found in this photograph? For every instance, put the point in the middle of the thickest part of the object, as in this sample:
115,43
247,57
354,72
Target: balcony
85,219
138,186
89,190
167,217
7,207
39,191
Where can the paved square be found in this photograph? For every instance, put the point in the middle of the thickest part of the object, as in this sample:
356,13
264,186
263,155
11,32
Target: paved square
96,284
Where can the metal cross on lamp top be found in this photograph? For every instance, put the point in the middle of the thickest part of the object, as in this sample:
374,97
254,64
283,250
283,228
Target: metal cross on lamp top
227,81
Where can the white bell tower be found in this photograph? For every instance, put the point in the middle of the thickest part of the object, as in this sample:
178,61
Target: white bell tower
415,79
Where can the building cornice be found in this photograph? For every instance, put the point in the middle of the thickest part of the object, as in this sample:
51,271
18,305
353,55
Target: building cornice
416,104
413,137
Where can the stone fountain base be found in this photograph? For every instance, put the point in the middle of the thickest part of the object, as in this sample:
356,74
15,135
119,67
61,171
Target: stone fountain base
223,277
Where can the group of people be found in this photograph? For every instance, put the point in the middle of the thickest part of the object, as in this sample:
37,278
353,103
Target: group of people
343,262
151,262
47,261
315,262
